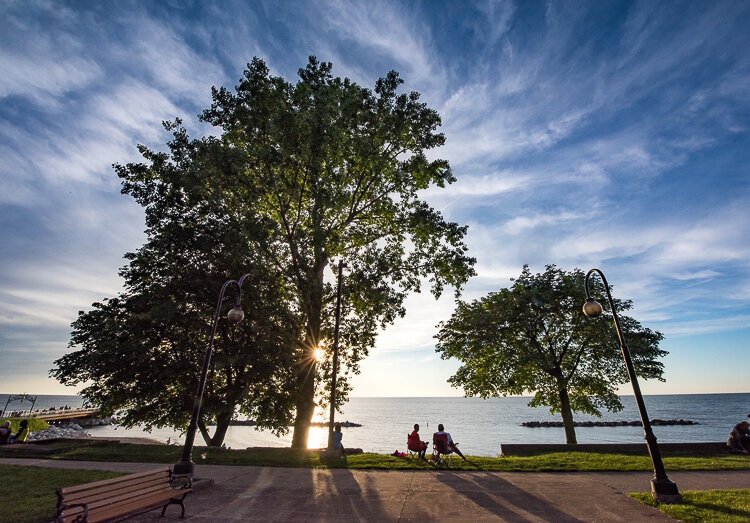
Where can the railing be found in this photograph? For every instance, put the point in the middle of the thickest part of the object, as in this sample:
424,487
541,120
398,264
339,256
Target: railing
54,415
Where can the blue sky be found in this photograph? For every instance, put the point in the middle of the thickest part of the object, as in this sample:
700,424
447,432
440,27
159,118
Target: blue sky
608,134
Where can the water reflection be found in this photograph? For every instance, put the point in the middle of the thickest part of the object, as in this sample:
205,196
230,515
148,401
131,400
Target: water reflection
237,437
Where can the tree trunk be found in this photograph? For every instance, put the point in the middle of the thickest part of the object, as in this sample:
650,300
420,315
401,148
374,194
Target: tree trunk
567,415
305,405
222,425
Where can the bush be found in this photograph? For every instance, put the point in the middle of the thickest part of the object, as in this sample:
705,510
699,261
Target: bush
34,424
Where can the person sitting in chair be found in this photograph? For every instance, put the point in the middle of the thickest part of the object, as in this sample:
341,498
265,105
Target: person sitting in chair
452,446
739,438
23,433
337,438
5,432
415,444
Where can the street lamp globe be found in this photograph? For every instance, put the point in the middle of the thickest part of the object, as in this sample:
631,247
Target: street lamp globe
236,314
592,308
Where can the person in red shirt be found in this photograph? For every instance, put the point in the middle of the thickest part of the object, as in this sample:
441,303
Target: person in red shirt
416,444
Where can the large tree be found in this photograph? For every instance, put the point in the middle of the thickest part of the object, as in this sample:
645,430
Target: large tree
139,353
338,169
534,338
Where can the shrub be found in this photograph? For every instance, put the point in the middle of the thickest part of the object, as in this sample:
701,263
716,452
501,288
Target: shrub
35,424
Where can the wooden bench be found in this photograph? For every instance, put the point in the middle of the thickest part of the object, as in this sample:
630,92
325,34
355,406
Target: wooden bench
126,495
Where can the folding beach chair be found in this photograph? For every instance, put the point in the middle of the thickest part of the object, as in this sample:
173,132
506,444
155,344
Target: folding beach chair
414,446
441,452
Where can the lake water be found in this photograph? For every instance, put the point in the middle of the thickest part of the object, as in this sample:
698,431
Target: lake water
480,426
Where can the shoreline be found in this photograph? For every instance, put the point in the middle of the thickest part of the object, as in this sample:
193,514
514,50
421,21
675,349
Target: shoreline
134,440
518,449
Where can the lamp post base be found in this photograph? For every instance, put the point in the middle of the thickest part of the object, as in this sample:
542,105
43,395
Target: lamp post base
665,490
183,468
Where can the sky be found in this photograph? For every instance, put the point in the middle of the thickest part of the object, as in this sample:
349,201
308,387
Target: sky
582,134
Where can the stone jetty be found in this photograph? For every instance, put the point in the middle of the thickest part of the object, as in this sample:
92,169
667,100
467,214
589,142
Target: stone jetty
637,423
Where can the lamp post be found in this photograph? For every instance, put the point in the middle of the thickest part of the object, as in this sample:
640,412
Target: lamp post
235,315
335,368
663,489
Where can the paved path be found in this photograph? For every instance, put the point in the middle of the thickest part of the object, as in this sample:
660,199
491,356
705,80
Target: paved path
292,494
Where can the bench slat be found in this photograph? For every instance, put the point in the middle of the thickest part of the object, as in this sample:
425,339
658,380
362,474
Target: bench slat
130,477
113,497
126,497
116,490
110,511
126,508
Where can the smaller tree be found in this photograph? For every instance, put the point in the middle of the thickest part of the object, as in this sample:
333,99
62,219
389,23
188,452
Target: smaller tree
534,338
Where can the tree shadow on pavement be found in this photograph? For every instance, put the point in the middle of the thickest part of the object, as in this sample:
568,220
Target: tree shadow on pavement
502,498
361,497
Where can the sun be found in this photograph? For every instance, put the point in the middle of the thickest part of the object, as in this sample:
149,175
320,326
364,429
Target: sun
319,354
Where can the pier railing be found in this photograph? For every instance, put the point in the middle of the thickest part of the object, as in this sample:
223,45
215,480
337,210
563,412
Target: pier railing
50,415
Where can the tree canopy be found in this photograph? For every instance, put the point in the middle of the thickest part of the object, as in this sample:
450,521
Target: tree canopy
534,338
299,175
139,353
337,169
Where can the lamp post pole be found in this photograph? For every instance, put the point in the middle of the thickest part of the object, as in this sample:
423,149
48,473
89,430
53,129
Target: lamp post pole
663,489
186,466
334,370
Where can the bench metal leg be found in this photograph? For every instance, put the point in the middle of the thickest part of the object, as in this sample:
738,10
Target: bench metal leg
179,502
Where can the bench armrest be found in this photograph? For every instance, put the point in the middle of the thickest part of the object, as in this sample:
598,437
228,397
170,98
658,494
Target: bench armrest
181,482
79,518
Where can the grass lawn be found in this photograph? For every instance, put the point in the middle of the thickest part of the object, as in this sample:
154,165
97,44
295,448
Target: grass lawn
27,494
93,450
717,506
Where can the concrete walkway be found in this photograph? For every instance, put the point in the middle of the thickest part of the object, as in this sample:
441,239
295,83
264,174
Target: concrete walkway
292,494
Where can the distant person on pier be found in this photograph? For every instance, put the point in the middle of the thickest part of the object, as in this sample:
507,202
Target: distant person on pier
4,432
415,443
23,433
739,438
452,446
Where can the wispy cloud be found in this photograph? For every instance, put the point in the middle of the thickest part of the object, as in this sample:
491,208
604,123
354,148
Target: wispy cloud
45,65
392,30
581,135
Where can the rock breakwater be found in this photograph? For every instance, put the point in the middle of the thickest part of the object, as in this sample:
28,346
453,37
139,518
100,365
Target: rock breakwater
636,423
72,431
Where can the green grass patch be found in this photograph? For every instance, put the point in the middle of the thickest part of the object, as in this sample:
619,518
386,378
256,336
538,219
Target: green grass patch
569,461
717,506
27,494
